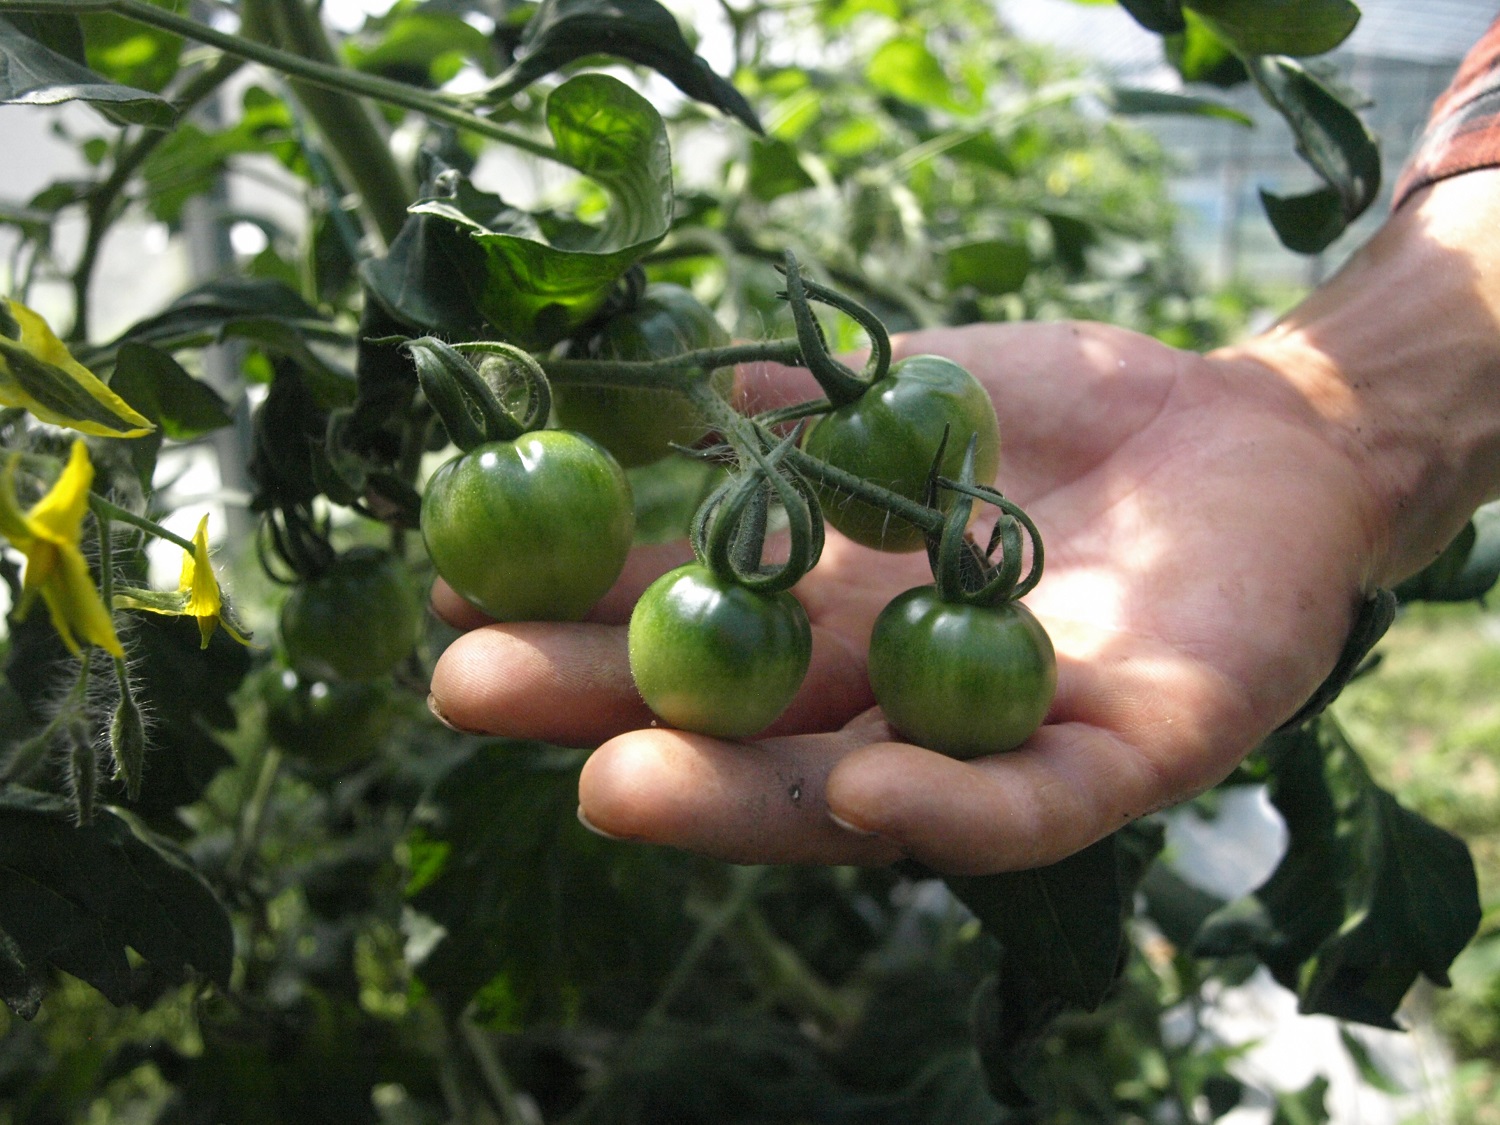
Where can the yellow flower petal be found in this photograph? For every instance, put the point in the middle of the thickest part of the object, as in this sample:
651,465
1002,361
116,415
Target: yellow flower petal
39,374
56,571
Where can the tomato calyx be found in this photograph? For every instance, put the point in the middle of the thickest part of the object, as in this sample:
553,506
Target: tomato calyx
963,572
839,382
475,402
729,530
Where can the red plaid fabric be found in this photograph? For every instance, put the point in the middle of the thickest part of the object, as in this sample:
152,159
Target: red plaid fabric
1463,131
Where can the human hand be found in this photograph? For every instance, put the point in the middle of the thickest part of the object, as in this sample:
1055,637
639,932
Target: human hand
1207,546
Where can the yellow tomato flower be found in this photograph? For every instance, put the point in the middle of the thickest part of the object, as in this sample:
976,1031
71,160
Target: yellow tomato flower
39,374
48,536
197,594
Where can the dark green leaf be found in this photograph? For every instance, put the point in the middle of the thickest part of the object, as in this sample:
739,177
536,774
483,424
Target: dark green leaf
1368,896
1061,926
1161,16
992,266
536,291
1135,101
77,897
1331,138
1467,569
643,31
33,74
184,407
534,905
1279,27
1306,224
189,688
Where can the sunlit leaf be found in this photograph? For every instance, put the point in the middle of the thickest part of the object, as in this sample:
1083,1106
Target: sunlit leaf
536,286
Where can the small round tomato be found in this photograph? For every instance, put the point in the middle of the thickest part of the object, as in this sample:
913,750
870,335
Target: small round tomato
327,727
889,437
637,424
712,656
355,621
535,529
964,680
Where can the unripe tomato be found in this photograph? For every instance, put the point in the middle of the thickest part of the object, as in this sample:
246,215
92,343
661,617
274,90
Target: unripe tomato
637,424
326,727
889,437
356,621
964,680
712,656
535,529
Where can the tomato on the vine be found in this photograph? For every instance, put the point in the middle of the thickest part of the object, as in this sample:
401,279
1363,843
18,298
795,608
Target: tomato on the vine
639,425
535,529
327,727
712,656
964,680
889,436
355,621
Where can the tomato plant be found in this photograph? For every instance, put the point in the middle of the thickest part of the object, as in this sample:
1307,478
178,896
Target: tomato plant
712,656
326,726
640,425
964,680
890,435
355,621
532,529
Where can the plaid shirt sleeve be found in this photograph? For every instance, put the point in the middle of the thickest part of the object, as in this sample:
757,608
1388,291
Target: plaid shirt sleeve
1463,130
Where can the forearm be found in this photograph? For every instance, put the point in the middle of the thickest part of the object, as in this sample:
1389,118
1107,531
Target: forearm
1399,355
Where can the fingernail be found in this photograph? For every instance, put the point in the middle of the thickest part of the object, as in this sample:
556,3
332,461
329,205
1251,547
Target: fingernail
851,828
596,830
437,713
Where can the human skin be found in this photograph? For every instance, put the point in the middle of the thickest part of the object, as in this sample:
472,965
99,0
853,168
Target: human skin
1212,523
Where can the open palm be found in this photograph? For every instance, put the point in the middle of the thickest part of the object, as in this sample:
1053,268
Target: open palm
1207,544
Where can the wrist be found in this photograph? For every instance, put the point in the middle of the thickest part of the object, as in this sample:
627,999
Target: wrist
1398,359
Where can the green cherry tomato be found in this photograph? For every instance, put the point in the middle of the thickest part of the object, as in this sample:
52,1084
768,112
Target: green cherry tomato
327,727
890,435
356,621
714,657
535,529
964,680
639,425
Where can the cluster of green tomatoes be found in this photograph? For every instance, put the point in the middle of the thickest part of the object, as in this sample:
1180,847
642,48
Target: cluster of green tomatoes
533,520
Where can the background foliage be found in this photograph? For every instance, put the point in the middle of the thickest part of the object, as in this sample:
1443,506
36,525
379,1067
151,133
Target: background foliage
321,904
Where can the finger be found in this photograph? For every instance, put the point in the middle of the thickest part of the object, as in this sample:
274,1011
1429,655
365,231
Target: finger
744,803
570,684
565,684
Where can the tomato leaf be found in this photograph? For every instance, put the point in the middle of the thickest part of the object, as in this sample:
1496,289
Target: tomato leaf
992,265
74,898
1161,16
536,279
130,53
1334,142
1279,27
532,903
32,73
1200,55
1467,569
643,31
1062,926
1368,897
1133,101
